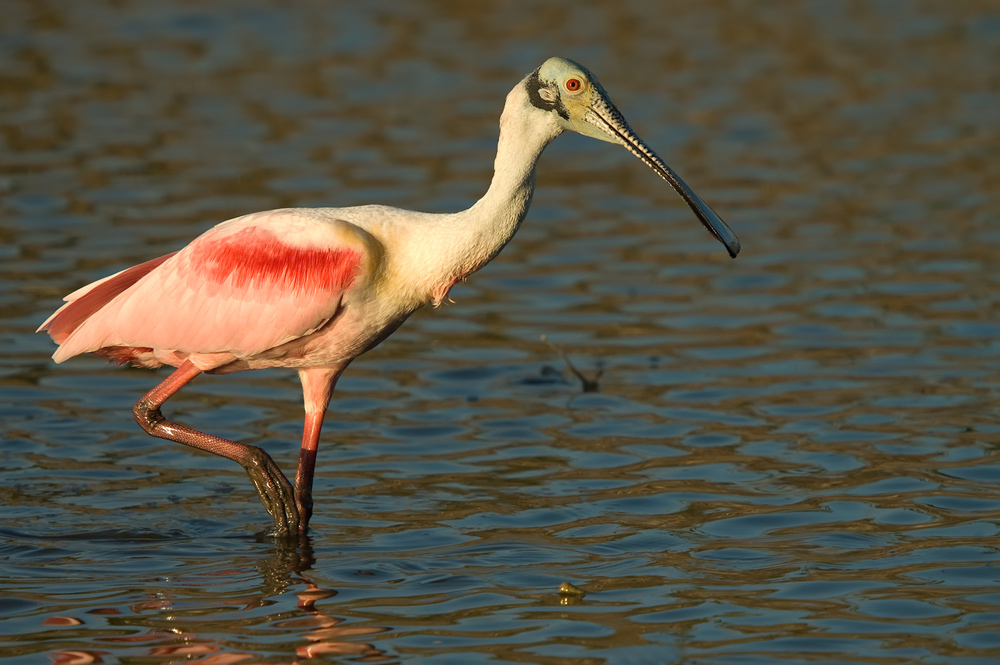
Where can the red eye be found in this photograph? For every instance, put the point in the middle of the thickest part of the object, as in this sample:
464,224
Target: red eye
573,85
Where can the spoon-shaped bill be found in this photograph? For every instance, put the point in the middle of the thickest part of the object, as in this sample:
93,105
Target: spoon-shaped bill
603,115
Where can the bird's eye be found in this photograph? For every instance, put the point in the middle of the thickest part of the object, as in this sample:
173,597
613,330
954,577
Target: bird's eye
573,85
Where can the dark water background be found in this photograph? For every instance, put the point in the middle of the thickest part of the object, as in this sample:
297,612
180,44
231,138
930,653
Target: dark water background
791,457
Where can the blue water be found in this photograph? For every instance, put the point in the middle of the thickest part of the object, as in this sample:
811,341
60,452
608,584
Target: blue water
790,457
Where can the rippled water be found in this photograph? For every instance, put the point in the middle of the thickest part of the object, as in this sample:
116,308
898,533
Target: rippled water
790,457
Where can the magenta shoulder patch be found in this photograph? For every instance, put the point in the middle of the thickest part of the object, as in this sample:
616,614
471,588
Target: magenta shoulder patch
255,257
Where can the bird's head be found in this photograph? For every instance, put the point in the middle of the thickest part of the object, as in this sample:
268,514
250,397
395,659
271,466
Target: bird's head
578,102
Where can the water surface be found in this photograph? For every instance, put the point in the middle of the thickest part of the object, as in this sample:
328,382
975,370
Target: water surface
791,457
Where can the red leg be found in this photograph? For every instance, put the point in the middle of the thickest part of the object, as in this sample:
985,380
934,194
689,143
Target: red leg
317,386
274,489
307,466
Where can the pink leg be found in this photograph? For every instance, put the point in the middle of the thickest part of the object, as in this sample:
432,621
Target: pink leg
317,386
307,466
274,489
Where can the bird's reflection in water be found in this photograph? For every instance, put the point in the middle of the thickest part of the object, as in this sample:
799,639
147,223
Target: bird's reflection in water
311,632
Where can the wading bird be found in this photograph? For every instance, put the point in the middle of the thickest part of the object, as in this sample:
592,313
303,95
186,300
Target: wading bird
312,289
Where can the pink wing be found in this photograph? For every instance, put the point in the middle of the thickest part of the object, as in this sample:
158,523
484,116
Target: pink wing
243,287
85,302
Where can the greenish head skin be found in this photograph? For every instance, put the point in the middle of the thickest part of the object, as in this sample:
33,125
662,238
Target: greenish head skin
576,98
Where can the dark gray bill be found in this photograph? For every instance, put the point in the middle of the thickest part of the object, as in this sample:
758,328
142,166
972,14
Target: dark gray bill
607,118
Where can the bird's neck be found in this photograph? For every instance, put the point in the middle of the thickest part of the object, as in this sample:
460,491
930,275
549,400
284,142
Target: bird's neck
479,233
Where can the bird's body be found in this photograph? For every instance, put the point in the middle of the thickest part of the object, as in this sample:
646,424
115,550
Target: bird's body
312,289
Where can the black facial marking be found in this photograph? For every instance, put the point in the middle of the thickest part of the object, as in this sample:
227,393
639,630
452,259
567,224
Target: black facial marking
534,84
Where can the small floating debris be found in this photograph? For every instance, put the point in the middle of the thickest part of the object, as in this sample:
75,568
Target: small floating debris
567,591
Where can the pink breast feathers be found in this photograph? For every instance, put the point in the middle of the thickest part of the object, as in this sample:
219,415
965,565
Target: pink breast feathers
255,257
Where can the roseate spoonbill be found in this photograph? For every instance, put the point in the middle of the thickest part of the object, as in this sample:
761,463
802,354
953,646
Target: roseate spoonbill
312,289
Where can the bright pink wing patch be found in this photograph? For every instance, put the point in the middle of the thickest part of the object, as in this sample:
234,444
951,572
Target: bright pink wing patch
253,257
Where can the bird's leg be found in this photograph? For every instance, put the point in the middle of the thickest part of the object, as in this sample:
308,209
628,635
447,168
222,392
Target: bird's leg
274,489
307,466
317,386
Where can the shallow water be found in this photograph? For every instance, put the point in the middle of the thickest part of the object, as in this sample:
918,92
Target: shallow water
790,457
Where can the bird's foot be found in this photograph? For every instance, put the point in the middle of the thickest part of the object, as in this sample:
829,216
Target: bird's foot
304,503
275,492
